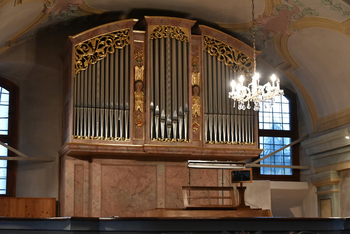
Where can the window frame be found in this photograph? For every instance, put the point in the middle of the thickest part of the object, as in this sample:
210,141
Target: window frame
12,137
292,133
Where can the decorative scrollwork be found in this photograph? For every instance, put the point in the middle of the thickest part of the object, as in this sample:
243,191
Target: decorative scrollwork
228,143
169,140
102,138
94,49
237,60
163,31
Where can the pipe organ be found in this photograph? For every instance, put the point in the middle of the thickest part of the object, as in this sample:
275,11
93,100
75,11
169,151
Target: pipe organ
138,104
159,91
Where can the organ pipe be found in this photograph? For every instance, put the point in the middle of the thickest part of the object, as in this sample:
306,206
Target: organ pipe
169,87
223,122
102,102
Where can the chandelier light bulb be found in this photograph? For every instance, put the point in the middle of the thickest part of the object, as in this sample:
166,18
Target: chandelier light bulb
241,79
233,85
256,76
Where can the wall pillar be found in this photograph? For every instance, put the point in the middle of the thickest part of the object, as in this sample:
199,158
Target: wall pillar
327,184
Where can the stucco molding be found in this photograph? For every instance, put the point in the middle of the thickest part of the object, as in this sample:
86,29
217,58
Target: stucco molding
319,124
48,7
317,22
333,120
325,179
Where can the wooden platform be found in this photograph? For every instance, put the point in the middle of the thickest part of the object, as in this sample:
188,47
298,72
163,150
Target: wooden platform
209,213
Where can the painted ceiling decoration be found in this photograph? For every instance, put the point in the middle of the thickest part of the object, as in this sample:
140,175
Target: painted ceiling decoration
279,24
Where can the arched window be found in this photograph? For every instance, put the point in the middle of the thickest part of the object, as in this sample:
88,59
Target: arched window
278,128
8,135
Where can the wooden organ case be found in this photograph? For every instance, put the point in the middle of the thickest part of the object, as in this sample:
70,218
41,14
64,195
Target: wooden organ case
139,104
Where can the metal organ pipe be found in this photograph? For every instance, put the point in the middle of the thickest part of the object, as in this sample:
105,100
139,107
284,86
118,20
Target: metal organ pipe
174,87
127,96
180,86
162,87
185,85
121,93
116,96
206,103
223,122
101,98
169,89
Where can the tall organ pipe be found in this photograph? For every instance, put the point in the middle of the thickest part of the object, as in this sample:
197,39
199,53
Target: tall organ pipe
152,88
116,96
106,88
180,86
174,86
185,85
162,87
111,95
156,86
121,93
127,96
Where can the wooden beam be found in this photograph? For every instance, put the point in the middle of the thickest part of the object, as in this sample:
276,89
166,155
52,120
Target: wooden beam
48,159
291,144
24,157
279,166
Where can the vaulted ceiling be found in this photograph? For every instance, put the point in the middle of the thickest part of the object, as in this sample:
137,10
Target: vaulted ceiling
307,42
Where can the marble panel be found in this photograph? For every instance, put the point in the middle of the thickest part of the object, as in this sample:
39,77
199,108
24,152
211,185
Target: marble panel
205,177
95,189
68,206
78,189
175,177
128,190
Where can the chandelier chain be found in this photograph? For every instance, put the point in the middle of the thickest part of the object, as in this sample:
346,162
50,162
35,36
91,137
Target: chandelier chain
253,35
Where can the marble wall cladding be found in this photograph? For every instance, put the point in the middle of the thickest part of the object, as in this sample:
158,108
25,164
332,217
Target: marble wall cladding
204,177
128,190
175,177
344,187
67,200
78,189
95,189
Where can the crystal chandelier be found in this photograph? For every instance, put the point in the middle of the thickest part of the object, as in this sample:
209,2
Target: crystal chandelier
254,93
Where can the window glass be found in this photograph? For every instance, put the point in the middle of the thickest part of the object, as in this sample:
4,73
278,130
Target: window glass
3,170
4,127
276,117
4,110
271,144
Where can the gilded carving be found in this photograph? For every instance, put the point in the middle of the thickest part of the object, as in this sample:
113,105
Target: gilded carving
94,49
229,143
101,138
163,31
196,99
238,61
168,140
139,95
